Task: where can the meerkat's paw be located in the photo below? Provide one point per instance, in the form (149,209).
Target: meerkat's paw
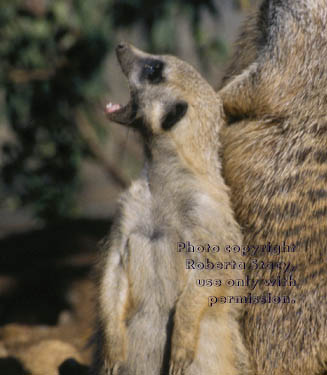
(181,358)
(112,368)
(115,357)
(115,369)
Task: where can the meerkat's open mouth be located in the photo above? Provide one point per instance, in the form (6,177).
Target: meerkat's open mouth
(124,115)
(111,108)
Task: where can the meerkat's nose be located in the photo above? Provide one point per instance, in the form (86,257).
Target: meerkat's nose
(121,46)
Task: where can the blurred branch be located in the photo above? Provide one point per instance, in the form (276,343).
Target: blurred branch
(36,7)
(245,4)
(20,76)
(91,139)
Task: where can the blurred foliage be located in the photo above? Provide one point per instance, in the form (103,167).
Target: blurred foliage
(159,20)
(50,55)
(51,59)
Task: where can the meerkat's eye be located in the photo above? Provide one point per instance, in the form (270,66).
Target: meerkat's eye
(152,71)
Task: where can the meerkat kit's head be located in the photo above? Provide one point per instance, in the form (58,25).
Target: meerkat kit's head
(164,91)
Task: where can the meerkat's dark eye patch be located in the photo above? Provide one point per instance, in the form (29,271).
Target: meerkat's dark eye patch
(175,112)
(152,70)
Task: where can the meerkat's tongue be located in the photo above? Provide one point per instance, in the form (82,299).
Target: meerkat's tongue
(111,108)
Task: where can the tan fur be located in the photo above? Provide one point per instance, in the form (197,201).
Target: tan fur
(153,318)
(275,161)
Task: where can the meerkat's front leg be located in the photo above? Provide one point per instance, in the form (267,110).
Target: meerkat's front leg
(113,306)
(189,310)
(238,95)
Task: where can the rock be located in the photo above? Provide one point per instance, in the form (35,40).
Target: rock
(45,357)
(3,351)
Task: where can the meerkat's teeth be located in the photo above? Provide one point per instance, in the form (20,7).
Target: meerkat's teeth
(110,107)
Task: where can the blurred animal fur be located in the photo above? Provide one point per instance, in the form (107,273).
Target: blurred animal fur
(152,317)
(275,162)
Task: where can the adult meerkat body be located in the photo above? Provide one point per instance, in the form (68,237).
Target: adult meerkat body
(153,318)
(275,161)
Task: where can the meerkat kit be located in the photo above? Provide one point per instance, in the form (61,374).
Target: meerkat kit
(153,315)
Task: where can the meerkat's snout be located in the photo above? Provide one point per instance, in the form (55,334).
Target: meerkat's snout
(126,114)
(126,56)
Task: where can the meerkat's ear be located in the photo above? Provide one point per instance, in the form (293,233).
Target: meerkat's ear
(174,112)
